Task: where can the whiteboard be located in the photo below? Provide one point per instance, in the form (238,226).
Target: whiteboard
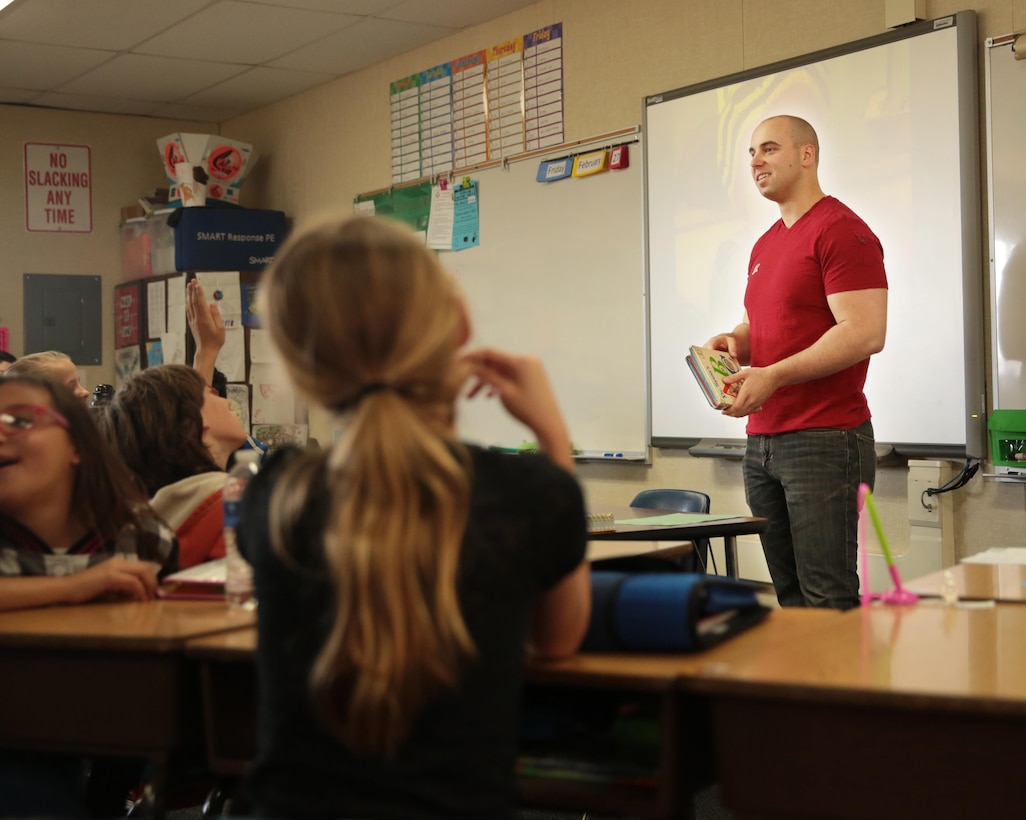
(1006,127)
(559,273)
(897,120)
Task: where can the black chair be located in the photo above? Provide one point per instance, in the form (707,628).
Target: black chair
(688,501)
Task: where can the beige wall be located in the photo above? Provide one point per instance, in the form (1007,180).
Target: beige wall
(321,148)
(125,162)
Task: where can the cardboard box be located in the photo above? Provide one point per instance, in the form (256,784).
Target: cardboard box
(215,239)
(225,163)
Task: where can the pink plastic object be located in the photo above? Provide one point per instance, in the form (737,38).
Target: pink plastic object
(899,595)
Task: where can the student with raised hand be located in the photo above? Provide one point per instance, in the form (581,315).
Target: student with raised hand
(401,574)
(73,525)
(51,364)
(209,334)
(176,435)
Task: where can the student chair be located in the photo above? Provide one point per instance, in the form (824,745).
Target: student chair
(690,501)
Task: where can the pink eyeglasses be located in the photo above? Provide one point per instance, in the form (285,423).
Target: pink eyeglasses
(20,418)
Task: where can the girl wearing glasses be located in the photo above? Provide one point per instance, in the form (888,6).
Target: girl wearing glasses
(176,434)
(401,573)
(73,526)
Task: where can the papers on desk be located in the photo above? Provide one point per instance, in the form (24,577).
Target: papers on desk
(203,582)
(999,555)
(673,519)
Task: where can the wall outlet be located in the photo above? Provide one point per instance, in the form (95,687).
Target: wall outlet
(919,480)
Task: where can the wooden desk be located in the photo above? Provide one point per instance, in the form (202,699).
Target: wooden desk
(977,582)
(890,712)
(726,528)
(107,679)
(685,759)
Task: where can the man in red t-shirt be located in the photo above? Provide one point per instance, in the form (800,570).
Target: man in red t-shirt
(815,311)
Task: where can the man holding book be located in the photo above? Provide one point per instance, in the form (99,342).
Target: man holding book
(815,311)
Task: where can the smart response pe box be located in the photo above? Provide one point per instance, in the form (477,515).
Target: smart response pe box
(210,239)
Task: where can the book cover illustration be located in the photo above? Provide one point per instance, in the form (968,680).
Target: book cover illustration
(710,367)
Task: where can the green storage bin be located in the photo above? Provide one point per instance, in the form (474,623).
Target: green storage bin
(1008,437)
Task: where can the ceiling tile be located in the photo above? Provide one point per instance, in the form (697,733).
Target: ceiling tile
(258,87)
(234,32)
(366,43)
(112,24)
(16,95)
(25,65)
(160,79)
(454,13)
(200,113)
(82,102)
(359,7)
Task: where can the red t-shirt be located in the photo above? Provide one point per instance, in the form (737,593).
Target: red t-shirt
(790,274)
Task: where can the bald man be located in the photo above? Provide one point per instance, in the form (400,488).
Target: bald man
(815,311)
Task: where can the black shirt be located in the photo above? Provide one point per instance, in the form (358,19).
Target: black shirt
(525,532)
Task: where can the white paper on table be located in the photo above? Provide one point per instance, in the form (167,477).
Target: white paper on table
(273,399)
(238,400)
(174,347)
(231,360)
(176,303)
(156,309)
(998,555)
(223,287)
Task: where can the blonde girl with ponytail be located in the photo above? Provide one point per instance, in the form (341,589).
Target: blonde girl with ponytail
(402,574)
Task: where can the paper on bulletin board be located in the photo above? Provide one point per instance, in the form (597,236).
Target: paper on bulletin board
(281,435)
(261,351)
(273,399)
(454,223)
(176,302)
(126,315)
(174,348)
(126,362)
(238,401)
(250,314)
(223,288)
(231,360)
(409,203)
(466,228)
(154,353)
(439,232)
(156,310)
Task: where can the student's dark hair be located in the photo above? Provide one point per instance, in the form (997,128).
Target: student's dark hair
(155,420)
(104,497)
(7,356)
(368,325)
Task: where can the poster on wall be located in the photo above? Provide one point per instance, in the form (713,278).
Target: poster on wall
(126,315)
(58,188)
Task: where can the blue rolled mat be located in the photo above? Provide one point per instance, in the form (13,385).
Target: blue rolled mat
(667,612)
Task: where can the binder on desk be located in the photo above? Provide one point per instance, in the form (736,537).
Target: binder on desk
(668,611)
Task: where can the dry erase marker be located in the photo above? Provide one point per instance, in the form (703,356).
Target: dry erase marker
(612,455)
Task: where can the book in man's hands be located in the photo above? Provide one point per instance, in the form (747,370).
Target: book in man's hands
(710,367)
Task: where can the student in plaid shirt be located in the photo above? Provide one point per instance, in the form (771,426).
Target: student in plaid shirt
(74,527)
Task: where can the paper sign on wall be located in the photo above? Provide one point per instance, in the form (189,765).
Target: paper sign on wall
(58,188)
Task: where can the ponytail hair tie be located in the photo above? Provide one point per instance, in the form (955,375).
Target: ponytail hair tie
(373,387)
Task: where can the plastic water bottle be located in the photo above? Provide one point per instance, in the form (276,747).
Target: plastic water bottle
(238,584)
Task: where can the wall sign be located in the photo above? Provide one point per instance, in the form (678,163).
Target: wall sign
(58,188)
